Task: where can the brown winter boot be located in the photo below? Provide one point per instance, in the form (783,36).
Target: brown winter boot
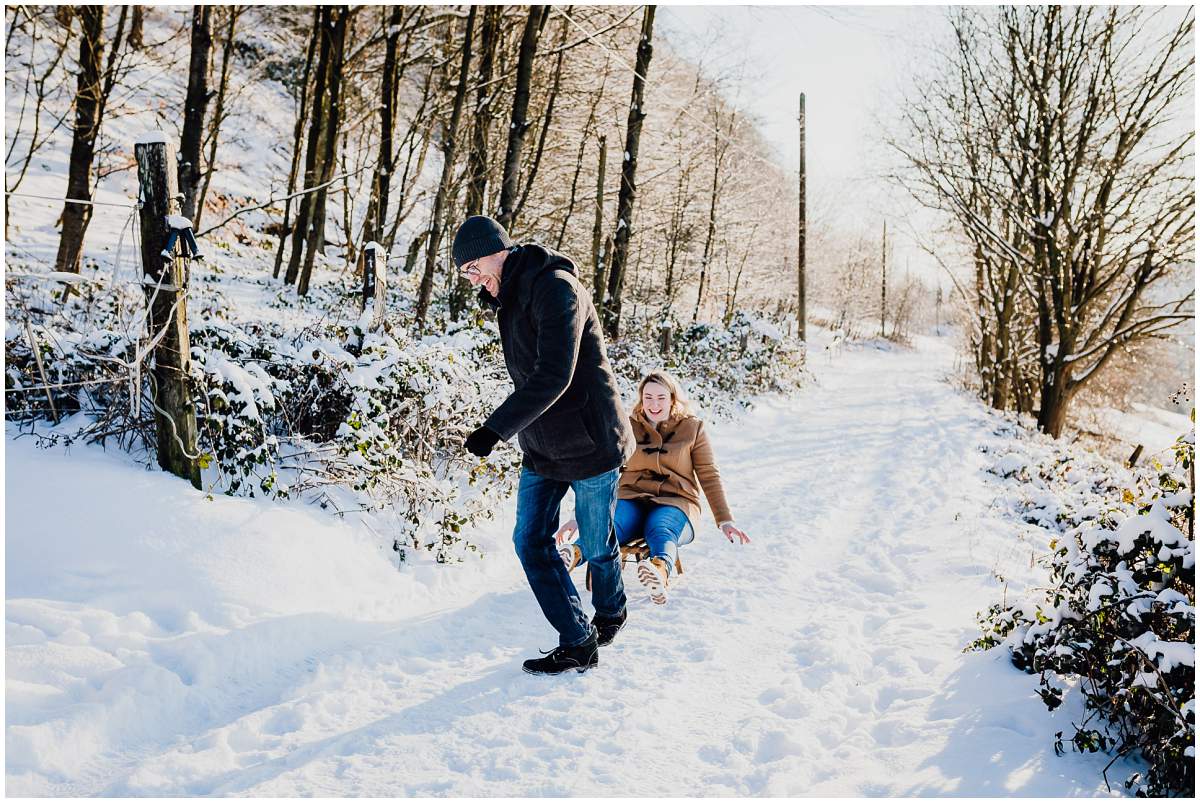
(653,575)
(571,556)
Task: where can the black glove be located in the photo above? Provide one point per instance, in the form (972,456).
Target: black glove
(481,441)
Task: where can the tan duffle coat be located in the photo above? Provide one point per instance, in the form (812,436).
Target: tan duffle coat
(671,465)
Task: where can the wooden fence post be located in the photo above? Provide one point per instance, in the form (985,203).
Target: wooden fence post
(368,276)
(375,259)
(163,283)
(664,338)
(1133,458)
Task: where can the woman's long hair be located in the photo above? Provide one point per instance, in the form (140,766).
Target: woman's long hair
(680,408)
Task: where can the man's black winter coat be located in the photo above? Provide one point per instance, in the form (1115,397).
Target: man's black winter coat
(565,410)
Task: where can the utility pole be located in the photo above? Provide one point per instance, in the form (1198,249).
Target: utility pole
(883,285)
(801,258)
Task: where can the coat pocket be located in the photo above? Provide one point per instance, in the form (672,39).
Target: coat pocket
(561,433)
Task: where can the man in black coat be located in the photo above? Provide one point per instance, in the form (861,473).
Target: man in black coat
(567,415)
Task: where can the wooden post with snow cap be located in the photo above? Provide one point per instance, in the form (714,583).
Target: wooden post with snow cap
(375,259)
(163,282)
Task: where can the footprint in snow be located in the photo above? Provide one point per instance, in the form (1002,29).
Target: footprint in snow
(777,745)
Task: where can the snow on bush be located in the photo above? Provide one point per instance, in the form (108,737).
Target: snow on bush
(1118,616)
(302,403)
(367,421)
(721,367)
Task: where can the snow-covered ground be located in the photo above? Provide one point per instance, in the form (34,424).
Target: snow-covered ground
(1153,427)
(162,643)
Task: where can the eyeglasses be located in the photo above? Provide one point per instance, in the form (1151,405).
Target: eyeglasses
(470,269)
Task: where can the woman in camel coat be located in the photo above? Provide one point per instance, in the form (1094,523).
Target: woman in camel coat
(659,494)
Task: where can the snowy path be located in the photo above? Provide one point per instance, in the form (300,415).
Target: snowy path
(825,658)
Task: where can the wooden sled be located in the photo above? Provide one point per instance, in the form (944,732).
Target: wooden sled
(637,550)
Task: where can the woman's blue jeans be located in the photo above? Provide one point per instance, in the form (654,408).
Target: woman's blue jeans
(664,527)
(538,502)
(188,238)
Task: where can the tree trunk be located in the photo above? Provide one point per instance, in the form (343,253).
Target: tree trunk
(316,231)
(588,126)
(1005,364)
(449,149)
(732,294)
(1055,399)
(510,186)
(312,147)
(419,132)
(135,27)
(219,113)
(710,234)
(679,235)
(194,109)
(75,216)
(599,256)
(382,178)
(297,133)
(547,119)
(628,193)
(478,160)
(350,252)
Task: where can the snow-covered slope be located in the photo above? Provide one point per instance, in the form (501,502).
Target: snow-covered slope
(163,643)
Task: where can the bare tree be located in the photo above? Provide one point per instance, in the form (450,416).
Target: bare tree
(720,151)
(416,147)
(449,150)
(628,194)
(213,136)
(485,92)
(1048,138)
(135,28)
(312,148)
(519,125)
(41,83)
(96,78)
(588,128)
(600,253)
(382,178)
(297,135)
(328,137)
(195,107)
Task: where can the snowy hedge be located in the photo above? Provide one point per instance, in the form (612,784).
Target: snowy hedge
(1118,617)
(721,367)
(371,424)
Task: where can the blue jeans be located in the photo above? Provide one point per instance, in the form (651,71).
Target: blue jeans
(663,527)
(187,239)
(538,502)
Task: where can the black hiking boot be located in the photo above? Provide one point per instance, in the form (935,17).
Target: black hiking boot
(608,628)
(581,658)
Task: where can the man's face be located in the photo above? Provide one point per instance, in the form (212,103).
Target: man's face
(486,271)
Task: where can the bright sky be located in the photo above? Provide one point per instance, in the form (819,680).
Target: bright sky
(847,60)
(853,63)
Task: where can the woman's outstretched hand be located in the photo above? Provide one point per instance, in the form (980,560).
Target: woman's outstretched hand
(564,532)
(732,533)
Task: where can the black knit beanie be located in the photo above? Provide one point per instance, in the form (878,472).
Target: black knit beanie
(477,237)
